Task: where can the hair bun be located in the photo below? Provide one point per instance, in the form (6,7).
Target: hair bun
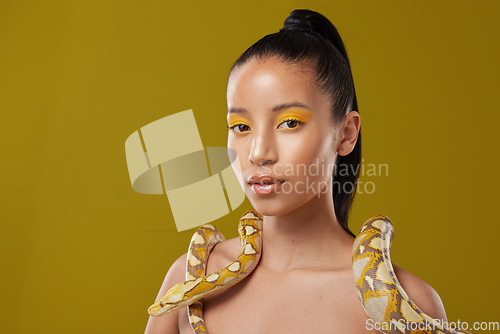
(317,24)
(308,21)
(299,20)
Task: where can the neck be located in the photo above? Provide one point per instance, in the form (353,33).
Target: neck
(306,238)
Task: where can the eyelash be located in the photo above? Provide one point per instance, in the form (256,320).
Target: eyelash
(286,119)
(231,128)
(293,119)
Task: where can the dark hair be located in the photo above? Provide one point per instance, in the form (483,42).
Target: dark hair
(308,37)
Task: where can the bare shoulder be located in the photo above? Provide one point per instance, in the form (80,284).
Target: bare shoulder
(421,293)
(168,323)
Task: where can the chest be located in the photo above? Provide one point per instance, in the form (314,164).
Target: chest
(301,302)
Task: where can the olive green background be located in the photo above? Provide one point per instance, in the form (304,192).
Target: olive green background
(81,252)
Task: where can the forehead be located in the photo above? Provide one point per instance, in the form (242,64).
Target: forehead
(267,82)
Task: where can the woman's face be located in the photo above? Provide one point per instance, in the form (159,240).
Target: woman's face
(282,134)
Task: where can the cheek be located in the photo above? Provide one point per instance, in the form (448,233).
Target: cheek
(236,154)
(313,149)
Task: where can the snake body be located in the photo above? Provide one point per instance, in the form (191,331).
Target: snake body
(382,296)
(202,242)
(192,290)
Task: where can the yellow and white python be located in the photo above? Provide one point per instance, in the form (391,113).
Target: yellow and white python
(381,294)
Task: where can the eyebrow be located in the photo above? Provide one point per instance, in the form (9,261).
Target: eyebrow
(275,108)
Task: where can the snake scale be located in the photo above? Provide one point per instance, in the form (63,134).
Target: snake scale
(384,300)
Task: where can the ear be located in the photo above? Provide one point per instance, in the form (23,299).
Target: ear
(349,131)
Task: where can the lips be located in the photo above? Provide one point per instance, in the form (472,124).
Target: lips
(264,184)
(264,179)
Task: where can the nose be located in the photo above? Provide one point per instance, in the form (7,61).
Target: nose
(263,150)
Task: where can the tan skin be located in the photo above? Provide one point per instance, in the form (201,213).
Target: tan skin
(303,282)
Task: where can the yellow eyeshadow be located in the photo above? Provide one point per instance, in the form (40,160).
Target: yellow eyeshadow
(300,115)
(291,118)
(236,124)
(236,121)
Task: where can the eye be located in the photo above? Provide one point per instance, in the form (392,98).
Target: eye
(290,123)
(239,128)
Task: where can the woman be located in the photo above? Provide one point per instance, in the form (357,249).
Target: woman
(293,120)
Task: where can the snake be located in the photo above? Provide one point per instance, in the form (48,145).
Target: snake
(382,297)
(199,285)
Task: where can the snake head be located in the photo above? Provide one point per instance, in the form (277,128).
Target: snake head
(174,299)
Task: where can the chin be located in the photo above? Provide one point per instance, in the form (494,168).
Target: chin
(272,205)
